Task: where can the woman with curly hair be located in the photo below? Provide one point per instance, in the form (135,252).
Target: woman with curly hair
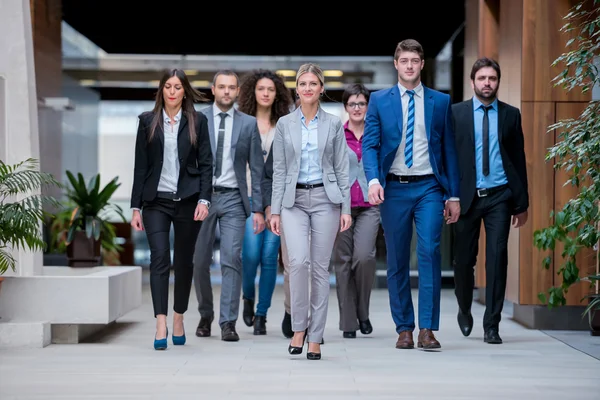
(263,94)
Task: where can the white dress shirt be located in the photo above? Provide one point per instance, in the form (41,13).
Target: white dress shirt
(421,164)
(169,175)
(227,178)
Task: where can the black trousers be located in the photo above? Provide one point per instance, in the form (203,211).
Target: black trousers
(158,216)
(494,210)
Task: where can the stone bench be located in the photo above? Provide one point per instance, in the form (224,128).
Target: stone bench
(64,304)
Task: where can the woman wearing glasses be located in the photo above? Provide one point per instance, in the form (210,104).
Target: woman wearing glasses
(354,250)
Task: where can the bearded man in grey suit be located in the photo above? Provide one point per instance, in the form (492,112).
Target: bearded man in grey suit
(235,143)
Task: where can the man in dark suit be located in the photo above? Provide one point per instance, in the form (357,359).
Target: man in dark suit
(235,143)
(409,156)
(493,187)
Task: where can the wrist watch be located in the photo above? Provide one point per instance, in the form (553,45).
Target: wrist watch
(205,202)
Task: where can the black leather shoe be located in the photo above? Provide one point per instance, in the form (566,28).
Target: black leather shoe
(248,312)
(286,326)
(491,336)
(203,329)
(260,325)
(313,356)
(465,322)
(349,335)
(228,333)
(365,327)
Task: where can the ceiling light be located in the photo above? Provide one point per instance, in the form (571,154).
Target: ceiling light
(333,73)
(202,83)
(286,72)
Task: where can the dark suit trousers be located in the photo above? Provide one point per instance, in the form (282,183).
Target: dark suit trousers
(494,210)
(158,216)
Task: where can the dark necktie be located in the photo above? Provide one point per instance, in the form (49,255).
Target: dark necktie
(220,140)
(485,129)
(410,129)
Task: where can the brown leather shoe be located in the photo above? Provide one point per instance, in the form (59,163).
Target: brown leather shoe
(405,340)
(427,340)
(203,329)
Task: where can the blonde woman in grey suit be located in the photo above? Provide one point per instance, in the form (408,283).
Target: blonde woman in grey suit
(310,197)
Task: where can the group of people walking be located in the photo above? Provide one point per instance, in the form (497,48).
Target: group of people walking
(287,181)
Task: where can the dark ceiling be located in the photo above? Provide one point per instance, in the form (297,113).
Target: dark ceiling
(303,29)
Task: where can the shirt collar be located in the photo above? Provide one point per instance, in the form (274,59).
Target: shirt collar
(217,111)
(349,134)
(168,120)
(418,90)
(303,118)
(477,104)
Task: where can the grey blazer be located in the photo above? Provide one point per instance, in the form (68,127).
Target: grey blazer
(245,150)
(357,171)
(286,160)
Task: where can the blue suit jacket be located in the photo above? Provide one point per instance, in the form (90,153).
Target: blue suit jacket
(383,133)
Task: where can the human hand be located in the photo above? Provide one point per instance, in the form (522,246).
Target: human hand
(375,194)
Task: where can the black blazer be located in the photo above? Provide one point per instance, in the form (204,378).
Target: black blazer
(195,174)
(512,152)
(266,184)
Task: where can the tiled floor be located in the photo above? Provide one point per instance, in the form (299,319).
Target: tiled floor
(122,364)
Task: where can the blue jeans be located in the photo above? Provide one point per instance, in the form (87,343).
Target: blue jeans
(260,249)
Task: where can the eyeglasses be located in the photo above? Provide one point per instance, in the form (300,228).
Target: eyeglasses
(361,104)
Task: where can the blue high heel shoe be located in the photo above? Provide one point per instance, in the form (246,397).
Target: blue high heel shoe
(179,340)
(161,344)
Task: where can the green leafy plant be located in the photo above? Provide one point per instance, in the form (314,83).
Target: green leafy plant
(88,209)
(577,153)
(21,209)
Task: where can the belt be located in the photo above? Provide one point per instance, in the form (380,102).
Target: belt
(488,191)
(407,178)
(222,189)
(308,186)
(168,196)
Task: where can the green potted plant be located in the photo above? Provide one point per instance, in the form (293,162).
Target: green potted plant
(577,153)
(21,209)
(83,225)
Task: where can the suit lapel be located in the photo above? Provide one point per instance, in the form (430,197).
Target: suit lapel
(296,134)
(211,131)
(183,138)
(396,100)
(322,132)
(161,133)
(470,122)
(501,118)
(235,132)
(429,105)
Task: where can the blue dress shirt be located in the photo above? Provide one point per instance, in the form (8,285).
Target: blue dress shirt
(497,176)
(310,165)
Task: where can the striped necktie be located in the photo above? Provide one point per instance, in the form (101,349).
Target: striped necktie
(410,129)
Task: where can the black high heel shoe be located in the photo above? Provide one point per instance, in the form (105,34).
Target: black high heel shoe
(310,355)
(295,350)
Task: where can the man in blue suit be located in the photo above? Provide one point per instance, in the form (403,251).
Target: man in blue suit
(409,158)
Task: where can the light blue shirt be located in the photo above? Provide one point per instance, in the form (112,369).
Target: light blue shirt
(497,176)
(310,165)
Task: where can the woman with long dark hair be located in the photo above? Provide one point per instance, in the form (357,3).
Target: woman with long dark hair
(172,185)
(263,95)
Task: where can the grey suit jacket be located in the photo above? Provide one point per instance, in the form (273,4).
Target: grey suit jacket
(357,172)
(245,150)
(286,160)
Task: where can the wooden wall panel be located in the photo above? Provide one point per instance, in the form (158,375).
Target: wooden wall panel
(489,17)
(471,52)
(46,19)
(533,278)
(586,260)
(542,44)
(509,58)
